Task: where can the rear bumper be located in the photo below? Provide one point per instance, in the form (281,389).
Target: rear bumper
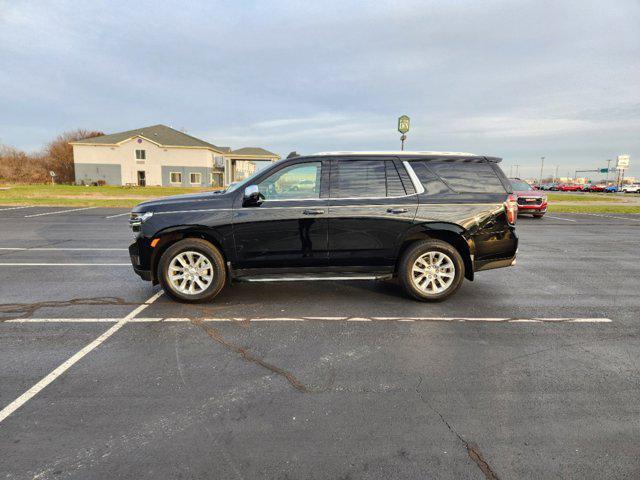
(502,255)
(496,263)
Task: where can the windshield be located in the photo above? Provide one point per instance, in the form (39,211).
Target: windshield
(519,185)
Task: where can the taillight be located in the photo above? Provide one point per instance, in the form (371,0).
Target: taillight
(511,208)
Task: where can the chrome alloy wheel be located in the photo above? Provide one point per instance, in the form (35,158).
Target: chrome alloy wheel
(433,272)
(190,273)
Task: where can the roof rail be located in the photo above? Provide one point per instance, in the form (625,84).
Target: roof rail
(398,152)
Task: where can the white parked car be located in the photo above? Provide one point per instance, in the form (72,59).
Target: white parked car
(633,188)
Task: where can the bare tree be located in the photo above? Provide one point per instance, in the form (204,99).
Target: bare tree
(17,166)
(58,154)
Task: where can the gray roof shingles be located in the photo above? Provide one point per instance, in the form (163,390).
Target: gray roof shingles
(253,151)
(156,133)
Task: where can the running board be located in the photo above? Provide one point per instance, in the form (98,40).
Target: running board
(312,278)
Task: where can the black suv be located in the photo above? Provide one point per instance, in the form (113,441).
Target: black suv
(428,218)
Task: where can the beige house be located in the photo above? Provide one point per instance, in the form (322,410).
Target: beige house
(160,155)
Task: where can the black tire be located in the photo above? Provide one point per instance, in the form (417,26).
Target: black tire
(204,248)
(415,251)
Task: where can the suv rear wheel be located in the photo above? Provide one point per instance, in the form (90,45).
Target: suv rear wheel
(192,270)
(431,270)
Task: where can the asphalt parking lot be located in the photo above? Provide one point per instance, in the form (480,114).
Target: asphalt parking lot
(529,372)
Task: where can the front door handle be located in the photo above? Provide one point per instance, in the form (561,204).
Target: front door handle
(313,211)
(397,210)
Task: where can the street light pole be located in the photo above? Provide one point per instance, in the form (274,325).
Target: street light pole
(555,179)
(608,167)
(541,168)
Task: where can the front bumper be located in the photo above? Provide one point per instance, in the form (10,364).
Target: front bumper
(542,208)
(138,261)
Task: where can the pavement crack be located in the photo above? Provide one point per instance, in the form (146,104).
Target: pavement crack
(26,310)
(249,357)
(472,449)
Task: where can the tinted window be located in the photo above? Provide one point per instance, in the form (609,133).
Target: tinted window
(360,178)
(294,182)
(394,183)
(431,182)
(465,177)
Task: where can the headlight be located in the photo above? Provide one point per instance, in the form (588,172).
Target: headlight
(140,217)
(544,199)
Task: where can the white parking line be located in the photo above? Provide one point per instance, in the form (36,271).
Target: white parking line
(15,208)
(70,249)
(560,218)
(33,391)
(65,264)
(59,211)
(118,215)
(329,319)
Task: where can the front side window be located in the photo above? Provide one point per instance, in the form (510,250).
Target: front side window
(359,178)
(141,154)
(175,177)
(292,183)
(195,178)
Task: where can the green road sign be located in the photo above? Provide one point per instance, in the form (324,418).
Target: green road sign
(403,124)
(604,170)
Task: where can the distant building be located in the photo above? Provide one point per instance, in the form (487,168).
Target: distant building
(160,155)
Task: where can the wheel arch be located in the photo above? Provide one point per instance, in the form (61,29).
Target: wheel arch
(170,236)
(451,233)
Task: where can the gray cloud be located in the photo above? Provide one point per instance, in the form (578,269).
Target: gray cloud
(518,79)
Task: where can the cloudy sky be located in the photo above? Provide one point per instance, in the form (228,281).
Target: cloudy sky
(516,79)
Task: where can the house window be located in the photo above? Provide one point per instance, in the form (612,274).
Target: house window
(141,154)
(195,178)
(175,177)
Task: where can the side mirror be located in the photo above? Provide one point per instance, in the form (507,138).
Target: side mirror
(252,196)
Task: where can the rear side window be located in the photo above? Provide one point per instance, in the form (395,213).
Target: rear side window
(430,181)
(394,182)
(366,178)
(359,178)
(459,177)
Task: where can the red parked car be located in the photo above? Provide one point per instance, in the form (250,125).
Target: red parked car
(530,201)
(565,187)
(597,188)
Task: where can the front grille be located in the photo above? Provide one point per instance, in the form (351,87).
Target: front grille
(529,201)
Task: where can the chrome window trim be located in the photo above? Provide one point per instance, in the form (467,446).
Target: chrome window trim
(338,198)
(387,205)
(417,184)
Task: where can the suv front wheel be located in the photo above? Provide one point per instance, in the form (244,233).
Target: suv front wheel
(431,270)
(192,270)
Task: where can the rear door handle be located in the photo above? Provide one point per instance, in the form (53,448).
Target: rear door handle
(313,211)
(397,210)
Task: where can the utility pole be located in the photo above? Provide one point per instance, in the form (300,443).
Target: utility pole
(555,179)
(541,168)
(608,167)
(517,170)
